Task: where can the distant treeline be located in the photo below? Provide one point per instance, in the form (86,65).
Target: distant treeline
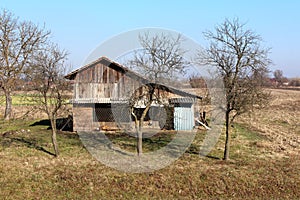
(199,82)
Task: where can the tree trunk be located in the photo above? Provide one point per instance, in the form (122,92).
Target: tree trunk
(139,139)
(54,140)
(8,105)
(139,128)
(227,141)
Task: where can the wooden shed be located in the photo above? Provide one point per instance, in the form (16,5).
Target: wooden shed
(102,92)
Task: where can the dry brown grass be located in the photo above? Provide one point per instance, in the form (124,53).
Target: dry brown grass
(279,122)
(265,164)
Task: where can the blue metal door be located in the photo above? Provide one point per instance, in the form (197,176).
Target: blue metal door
(183,118)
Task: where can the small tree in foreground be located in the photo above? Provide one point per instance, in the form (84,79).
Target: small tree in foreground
(18,42)
(47,75)
(241,61)
(160,61)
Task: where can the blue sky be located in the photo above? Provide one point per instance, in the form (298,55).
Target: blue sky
(80,26)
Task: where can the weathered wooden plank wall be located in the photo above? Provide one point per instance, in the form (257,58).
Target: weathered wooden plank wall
(83,117)
(100,81)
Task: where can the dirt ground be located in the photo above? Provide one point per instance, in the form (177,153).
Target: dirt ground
(279,122)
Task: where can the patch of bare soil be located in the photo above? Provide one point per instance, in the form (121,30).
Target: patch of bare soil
(279,122)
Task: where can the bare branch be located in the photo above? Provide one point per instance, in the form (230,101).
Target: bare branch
(161,57)
(18,42)
(241,61)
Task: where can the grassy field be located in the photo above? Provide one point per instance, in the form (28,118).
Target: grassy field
(26,105)
(21,99)
(265,162)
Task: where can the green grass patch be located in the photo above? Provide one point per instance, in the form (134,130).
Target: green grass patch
(20,100)
(127,142)
(249,134)
(243,144)
(34,135)
(25,100)
(13,125)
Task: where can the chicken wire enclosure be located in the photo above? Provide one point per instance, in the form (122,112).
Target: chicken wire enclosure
(159,114)
(107,112)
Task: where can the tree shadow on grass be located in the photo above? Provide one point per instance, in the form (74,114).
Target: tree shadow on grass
(157,142)
(43,122)
(194,149)
(33,145)
(213,157)
(62,124)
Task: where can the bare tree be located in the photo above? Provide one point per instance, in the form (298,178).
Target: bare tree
(18,42)
(279,78)
(196,81)
(161,58)
(241,61)
(160,61)
(47,75)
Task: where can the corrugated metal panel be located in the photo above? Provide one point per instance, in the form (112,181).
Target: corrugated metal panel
(183,118)
(182,100)
(99,100)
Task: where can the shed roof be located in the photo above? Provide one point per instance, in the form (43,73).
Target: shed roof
(182,100)
(109,63)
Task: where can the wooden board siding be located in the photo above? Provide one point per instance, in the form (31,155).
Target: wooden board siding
(96,82)
(100,81)
(83,117)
